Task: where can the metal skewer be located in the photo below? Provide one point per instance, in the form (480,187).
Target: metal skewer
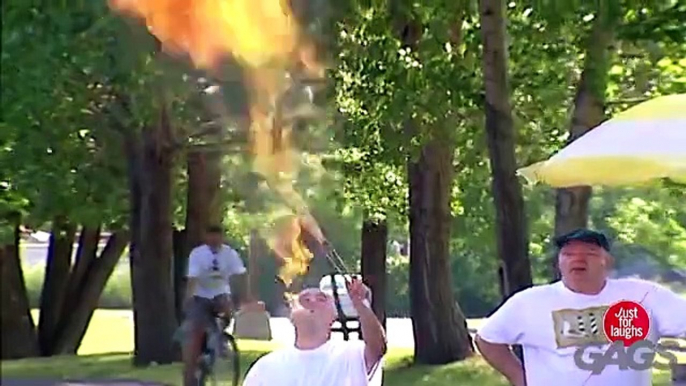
(337,262)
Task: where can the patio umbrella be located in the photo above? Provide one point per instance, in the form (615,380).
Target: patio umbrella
(645,143)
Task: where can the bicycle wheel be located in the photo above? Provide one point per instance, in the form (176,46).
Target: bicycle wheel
(226,366)
(205,365)
(234,357)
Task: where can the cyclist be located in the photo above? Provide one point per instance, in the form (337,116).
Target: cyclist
(210,266)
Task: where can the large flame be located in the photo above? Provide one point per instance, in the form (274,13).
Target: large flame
(265,37)
(256,31)
(288,244)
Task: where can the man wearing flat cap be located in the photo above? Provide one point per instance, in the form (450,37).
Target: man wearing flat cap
(551,322)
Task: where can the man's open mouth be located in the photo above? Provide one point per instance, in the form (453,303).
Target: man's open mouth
(579,269)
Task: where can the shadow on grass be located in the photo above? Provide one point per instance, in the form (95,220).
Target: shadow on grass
(472,371)
(105,367)
(398,370)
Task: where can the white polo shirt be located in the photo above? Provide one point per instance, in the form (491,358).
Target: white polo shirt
(212,270)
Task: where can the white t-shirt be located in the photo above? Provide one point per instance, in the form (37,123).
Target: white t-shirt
(551,321)
(213,270)
(335,363)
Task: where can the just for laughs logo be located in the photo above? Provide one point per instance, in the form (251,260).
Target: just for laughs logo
(626,325)
(627,322)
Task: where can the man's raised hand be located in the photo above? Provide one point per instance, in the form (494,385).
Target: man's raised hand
(358,292)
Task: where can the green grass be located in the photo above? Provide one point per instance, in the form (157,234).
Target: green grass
(110,331)
(105,353)
(118,365)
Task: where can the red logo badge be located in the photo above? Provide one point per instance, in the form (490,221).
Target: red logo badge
(626,321)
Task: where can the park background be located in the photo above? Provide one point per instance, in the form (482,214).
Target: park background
(408,166)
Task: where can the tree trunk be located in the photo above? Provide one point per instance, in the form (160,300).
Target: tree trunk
(151,260)
(203,207)
(438,324)
(511,226)
(374,240)
(87,292)
(18,332)
(56,283)
(204,184)
(69,299)
(571,206)
(279,301)
(86,254)
(134,161)
(439,327)
(256,251)
(179,267)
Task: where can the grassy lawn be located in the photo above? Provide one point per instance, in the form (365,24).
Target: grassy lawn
(105,353)
(100,366)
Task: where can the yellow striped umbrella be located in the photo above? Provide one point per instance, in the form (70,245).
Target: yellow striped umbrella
(645,143)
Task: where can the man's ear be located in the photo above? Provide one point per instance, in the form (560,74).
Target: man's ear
(609,261)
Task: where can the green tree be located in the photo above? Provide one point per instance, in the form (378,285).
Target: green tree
(394,71)
(572,203)
(512,237)
(67,173)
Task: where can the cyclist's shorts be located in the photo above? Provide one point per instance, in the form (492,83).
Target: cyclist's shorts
(202,310)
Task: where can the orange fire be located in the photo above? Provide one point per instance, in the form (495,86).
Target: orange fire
(256,32)
(289,247)
(265,37)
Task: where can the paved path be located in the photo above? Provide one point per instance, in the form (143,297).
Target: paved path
(111,382)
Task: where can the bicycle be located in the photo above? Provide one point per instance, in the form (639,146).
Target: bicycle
(217,344)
